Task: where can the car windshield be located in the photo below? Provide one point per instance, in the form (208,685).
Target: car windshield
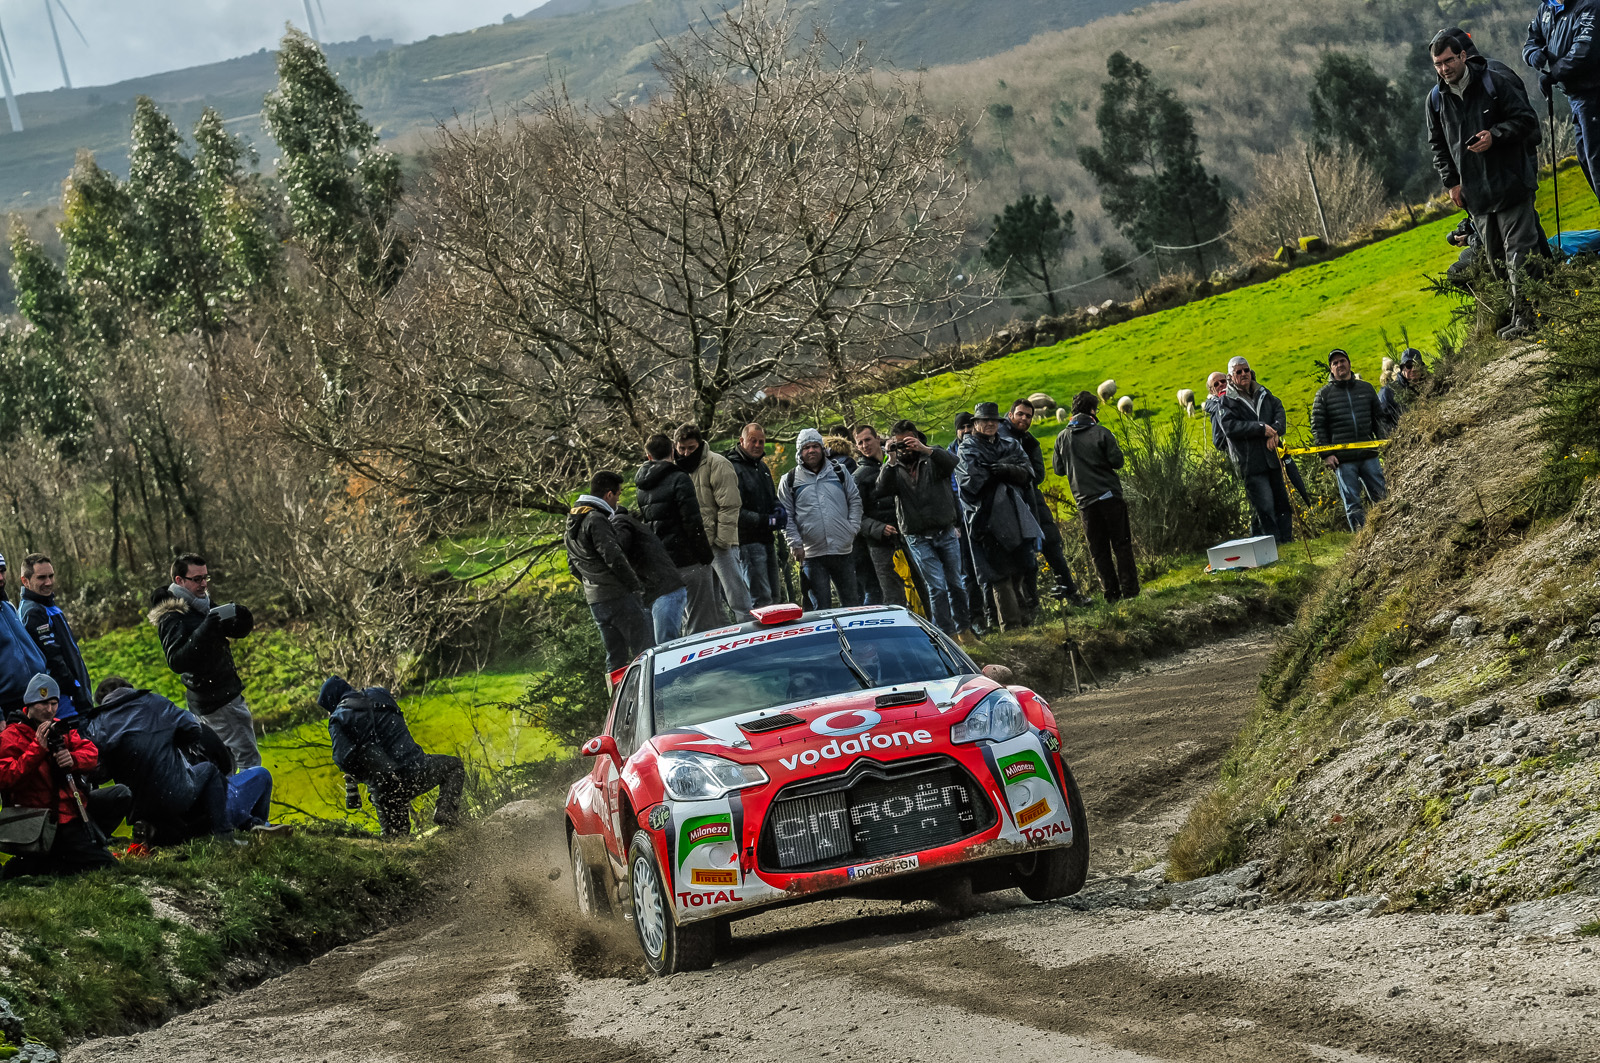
(703,683)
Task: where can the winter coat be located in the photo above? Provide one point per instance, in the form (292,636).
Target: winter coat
(824,508)
(370,736)
(141,738)
(1030,446)
(669,507)
(1088,456)
(1213,408)
(996,480)
(716,485)
(1395,399)
(48,628)
(1244,418)
(1347,411)
(877,512)
(758,496)
(1561,43)
(20,661)
(919,486)
(594,554)
(1506,174)
(647,556)
(29,775)
(197,647)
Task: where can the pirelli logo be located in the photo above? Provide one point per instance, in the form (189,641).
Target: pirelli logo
(704,876)
(1038,810)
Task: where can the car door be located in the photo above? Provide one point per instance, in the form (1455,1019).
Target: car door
(623,727)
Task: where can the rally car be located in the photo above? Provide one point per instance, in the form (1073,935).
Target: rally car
(806,754)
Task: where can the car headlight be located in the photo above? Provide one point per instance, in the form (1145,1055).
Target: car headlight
(996,718)
(693,776)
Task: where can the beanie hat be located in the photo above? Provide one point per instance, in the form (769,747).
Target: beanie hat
(963,420)
(807,437)
(334,688)
(40,688)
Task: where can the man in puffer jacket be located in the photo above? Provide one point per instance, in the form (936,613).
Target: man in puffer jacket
(825,512)
(716,486)
(48,626)
(1347,410)
(20,660)
(611,587)
(373,745)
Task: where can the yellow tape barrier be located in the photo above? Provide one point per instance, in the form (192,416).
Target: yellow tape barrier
(1333,447)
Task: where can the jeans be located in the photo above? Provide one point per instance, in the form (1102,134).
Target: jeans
(884,587)
(938,556)
(1269,500)
(828,571)
(1352,475)
(667,613)
(249,798)
(234,726)
(624,628)
(1105,525)
(756,564)
(1586,127)
(734,590)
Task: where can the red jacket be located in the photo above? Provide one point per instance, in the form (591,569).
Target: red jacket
(30,778)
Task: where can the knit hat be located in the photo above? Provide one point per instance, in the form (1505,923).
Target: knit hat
(334,688)
(40,688)
(986,411)
(807,437)
(963,420)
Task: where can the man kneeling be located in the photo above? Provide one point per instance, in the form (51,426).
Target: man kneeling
(373,745)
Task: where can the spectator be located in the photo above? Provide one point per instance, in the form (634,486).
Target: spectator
(1484,136)
(1347,410)
(1216,389)
(5,599)
(372,744)
(824,509)
(19,659)
(1086,453)
(1561,46)
(1400,393)
(1016,427)
(1290,469)
(916,480)
(760,516)
(610,585)
(196,638)
(47,626)
(34,775)
(1253,422)
(880,538)
(996,480)
(980,604)
(716,486)
(669,507)
(664,595)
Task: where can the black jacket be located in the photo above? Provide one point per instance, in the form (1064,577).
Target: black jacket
(758,495)
(669,507)
(1243,419)
(647,556)
(921,486)
(143,739)
(995,477)
(197,647)
(370,736)
(1562,44)
(877,511)
(1087,455)
(48,628)
(1507,173)
(1347,411)
(594,554)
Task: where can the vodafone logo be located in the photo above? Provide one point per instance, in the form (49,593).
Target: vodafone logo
(848,722)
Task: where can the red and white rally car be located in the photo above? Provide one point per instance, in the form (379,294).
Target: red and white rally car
(801,755)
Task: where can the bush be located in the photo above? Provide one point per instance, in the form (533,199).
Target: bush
(1182,495)
(1571,373)
(568,696)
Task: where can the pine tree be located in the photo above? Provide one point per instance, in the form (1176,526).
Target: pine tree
(1354,108)
(1029,238)
(40,387)
(1148,167)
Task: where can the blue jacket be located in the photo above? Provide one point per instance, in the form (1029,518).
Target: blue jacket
(370,736)
(20,661)
(47,626)
(1561,43)
(141,737)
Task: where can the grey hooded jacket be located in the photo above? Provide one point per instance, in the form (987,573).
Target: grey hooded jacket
(825,508)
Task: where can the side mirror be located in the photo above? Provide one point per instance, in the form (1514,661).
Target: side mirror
(602,746)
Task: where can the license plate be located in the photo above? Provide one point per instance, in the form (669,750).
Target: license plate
(884,867)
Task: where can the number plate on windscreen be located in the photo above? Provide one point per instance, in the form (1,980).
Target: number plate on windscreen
(876,817)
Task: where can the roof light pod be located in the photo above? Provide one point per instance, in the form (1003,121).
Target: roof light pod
(782,613)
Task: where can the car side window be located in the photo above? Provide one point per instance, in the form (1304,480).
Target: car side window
(625,725)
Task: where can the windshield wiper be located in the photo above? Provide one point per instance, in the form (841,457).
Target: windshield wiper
(849,661)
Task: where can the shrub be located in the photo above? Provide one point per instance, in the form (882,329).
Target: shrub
(1182,496)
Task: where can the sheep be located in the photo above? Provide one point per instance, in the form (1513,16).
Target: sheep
(1186,399)
(1042,401)
(1062,415)
(1125,405)
(1106,389)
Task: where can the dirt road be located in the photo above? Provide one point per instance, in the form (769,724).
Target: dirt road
(1127,971)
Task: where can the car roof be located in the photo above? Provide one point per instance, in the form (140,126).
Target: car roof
(756,625)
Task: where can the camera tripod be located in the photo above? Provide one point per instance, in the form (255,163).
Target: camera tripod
(1075,657)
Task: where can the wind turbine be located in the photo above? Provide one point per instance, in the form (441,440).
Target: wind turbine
(50,13)
(5,83)
(310,21)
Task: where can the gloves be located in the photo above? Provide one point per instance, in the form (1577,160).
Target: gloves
(779,519)
(1547,84)
(225,612)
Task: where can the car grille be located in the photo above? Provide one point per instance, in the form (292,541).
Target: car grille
(871,812)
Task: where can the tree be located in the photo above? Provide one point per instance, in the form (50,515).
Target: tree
(1281,208)
(1148,164)
(1355,109)
(1029,238)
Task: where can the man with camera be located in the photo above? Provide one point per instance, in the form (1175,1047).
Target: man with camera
(373,745)
(916,480)
(196,638)
(45,824)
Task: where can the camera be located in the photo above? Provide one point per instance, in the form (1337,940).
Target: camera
(897,446)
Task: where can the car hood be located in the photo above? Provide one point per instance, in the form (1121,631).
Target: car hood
(821,720)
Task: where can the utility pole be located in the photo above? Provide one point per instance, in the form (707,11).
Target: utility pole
(1322,215)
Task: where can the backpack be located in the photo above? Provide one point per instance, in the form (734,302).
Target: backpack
(1436,97)
(787,483)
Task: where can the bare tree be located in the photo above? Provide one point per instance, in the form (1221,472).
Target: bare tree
(1283,207)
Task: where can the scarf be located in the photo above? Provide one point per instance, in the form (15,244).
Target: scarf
(691,462)
(598,503)
(200,602)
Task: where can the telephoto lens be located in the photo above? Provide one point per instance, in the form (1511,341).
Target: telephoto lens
(352,793)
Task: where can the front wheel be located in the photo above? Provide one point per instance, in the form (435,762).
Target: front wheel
(1058,873)
(668,947)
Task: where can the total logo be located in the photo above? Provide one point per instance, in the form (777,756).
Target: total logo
(1045,833)
(708,900)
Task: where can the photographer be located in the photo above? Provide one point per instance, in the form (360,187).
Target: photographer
(373,745)
(40,761)
(916,479)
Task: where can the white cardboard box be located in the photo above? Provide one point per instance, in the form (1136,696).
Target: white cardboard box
(1243,553)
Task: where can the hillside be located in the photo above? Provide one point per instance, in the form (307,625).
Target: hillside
(600,51)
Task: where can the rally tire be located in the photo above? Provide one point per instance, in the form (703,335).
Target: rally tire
(1058,873)
(668,948)
(587,894)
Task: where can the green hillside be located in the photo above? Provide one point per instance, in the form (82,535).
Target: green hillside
(1283,326)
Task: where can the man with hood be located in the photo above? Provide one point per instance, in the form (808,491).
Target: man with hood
(669,506)
(1484,136)
(716,486)
(996,482)
(19,659)
(196,638)
(48,626)
(1347,410)
(1087,454)
(1397,396)
(1561,46)
(825,511)
(611,587)
(373,745)
(664,594)
(1253,422)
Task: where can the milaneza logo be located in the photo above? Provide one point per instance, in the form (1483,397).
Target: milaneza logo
(703,830)
(848,722)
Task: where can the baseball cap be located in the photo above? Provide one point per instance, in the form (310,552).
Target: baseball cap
(1409,356)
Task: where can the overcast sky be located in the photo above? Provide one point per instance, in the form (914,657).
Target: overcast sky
(129,38)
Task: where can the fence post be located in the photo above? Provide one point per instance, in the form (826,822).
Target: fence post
(1317,195)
